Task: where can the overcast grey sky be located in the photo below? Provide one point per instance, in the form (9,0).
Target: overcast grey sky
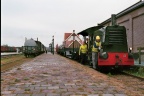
(45,18)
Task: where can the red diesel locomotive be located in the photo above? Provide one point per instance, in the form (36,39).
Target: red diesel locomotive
(115,52)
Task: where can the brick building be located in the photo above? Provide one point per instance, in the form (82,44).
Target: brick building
(133,19)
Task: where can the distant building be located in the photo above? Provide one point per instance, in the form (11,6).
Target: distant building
(69,40)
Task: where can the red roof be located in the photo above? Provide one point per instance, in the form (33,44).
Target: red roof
(66,35)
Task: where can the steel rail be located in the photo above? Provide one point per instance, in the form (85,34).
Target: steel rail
(138,77)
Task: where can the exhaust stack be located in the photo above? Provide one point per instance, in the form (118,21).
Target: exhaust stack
(113,19)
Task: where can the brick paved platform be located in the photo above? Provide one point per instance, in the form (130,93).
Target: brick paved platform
(53,75)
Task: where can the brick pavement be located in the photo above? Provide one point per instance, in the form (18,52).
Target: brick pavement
(53,75)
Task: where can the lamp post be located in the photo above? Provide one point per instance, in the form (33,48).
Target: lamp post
(64,46)
(51,47)
(73,40)
(53,44)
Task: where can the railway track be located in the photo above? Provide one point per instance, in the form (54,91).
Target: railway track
(126,73)
(138,77)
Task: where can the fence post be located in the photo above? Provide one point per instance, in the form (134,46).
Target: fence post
(139,55)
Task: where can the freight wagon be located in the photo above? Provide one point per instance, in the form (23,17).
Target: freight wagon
(8,49)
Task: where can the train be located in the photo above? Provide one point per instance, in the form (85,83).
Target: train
(33,48)
(68,52)
(70,46)
(114,52)
(6,48)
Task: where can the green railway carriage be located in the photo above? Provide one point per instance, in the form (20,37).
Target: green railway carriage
(33,48)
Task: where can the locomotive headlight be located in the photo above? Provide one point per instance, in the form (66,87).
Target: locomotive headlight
(130,55)
(130,49)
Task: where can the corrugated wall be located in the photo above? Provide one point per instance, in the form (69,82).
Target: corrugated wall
(138,31)
(134,23)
